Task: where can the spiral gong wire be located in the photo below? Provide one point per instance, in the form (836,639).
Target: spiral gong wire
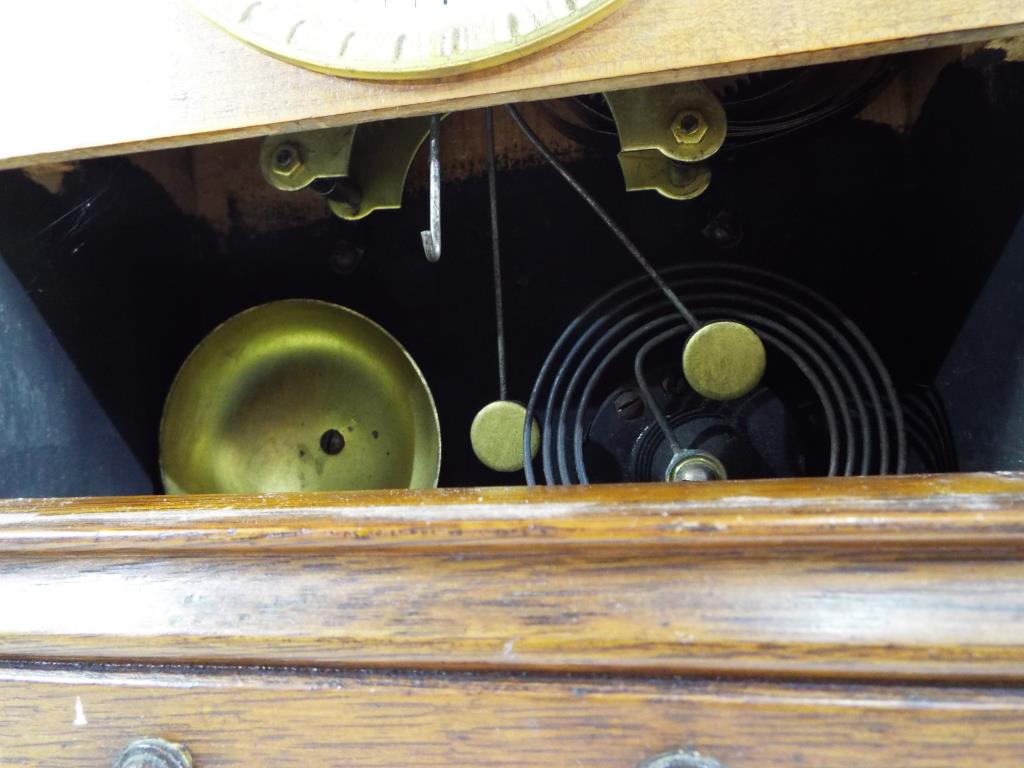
(828,393)
(856,404)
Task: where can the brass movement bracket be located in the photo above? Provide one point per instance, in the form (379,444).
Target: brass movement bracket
(364,166)
(666,133)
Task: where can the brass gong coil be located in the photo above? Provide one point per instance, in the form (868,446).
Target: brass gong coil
(299,395)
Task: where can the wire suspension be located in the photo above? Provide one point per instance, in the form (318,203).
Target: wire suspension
(499,307)
(600,211)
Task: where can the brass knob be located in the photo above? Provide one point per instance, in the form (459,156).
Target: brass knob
(683,758)
(154,753)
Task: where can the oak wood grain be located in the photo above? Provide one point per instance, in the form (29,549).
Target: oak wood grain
(954,510)
(236,717)
(119,76)
(916,577)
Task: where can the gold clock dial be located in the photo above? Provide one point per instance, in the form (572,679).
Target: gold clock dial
(393,39)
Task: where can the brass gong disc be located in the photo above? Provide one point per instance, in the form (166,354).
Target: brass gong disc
(299,395)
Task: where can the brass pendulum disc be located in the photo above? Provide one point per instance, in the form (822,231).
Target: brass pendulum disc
(724,360)
(497,435)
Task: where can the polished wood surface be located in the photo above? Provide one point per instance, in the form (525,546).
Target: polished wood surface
(915,578)
(964,509)
(83,717)
(117,76)
(984,509)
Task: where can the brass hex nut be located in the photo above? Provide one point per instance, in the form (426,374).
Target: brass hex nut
(287,159)
(689,126)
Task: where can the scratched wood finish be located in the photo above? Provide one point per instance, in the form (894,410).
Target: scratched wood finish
(236,718)
(117,76)
(917,577)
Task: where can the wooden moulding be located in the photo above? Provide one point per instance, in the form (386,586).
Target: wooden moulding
(872,579)
(120,76)
(234,718)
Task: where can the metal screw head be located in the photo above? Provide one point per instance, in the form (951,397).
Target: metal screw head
(696,467)
(154,753)
(332,442)
(688,180)
(345,258)
(629,405)
(673,384)
(684,758)
(689,127)
(287,160)
(725,230)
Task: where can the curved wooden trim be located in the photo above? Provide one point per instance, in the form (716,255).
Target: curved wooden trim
(919,577)
(951,510)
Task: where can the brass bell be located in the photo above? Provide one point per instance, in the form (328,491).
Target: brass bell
(299,395)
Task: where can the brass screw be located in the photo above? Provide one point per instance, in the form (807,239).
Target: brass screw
(287,160)
(689,127)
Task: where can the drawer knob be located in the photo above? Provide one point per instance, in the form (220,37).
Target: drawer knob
(154,753)
(683,758)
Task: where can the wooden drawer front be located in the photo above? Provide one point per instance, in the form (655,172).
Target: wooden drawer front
(239,718)
(646,613)
(515,627)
